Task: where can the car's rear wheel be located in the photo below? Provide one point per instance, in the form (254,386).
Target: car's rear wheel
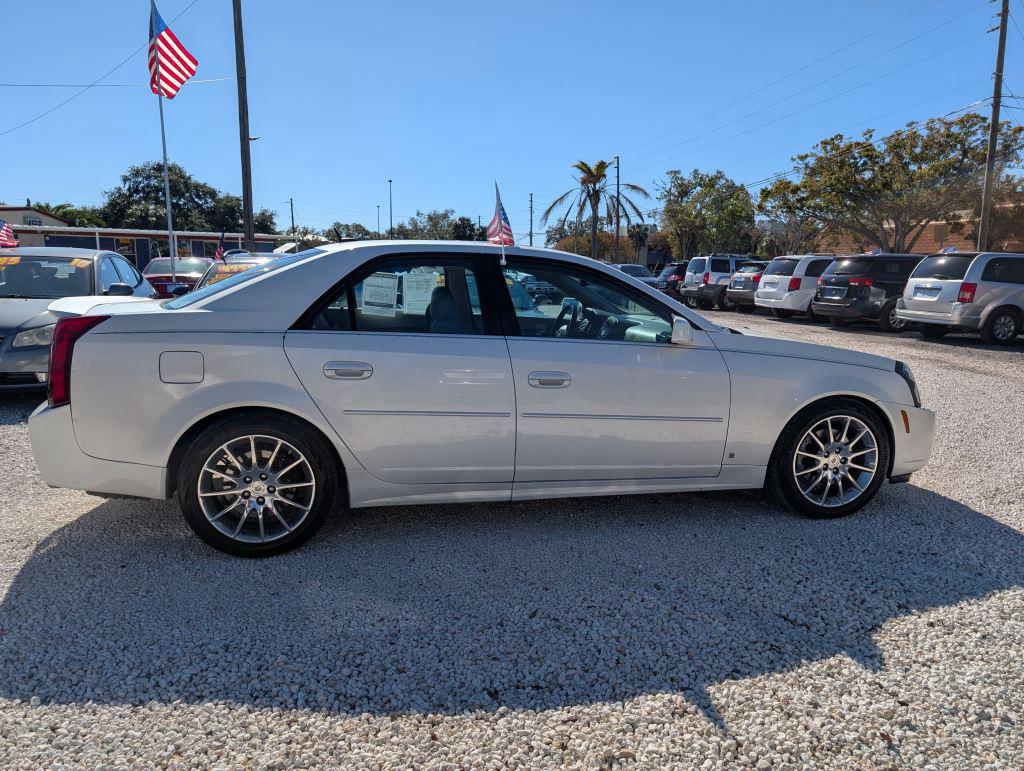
(258,485)
(1002,327)
(888,321)
(726,303)
(830,460)
(932,331)
(689,302)
(812,316)
(781,313)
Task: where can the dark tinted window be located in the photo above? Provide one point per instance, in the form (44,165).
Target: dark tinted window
(817,267)
(672,269)
(720,265)
(696,266)
(849,266)
(639,271)
(1009,270)
(885,267)
(944,267)
(781,268)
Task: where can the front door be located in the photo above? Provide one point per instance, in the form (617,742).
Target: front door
(412,373)
(601,392)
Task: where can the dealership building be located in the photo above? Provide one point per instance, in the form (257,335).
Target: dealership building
(34,227)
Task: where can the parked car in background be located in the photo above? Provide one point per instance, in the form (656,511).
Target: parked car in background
(743,285)
(260,399)
(966,290)
(188,271)
(789,284)
(235,263)
(865,286)
(641,272)
(671,278)
(707,278)
(32,278)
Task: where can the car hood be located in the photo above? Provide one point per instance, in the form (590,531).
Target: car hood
(751,341)
(24,314)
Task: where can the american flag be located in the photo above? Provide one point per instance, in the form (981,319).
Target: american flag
(219,254)
(500,229)
(7,235)
(170,63)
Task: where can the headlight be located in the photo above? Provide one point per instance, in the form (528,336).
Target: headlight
(33,337)
(903,370)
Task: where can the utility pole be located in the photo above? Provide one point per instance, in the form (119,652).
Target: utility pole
(378,220)
(531,219)
(291,205)
(391,216)
(618,205)
(993,132)
(243,130)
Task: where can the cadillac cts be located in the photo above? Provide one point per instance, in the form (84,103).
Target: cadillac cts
(383,373)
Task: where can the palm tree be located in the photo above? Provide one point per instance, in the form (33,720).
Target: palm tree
(593,191)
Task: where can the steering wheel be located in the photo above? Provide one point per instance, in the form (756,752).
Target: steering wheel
(570,306)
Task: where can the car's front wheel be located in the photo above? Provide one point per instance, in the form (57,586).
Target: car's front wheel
(830,460)
(726,303)
(254,486)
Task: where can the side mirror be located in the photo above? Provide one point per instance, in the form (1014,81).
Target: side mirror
(179,289)
(682,331)
(120,290)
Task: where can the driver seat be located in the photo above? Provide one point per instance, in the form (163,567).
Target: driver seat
(443,313)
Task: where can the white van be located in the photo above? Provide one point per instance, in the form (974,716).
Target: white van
(789,283)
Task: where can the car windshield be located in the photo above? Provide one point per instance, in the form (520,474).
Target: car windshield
(944,267)
(239,277)
(221,271)
(162,266)
(696,266)
(671,270)
(781,268)
(640,271)
(849,266)
(45,277)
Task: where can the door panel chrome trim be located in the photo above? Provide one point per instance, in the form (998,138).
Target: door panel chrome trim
(431,413)
(685,419)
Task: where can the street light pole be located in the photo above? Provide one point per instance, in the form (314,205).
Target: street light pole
(531,219)
(378,220)
(993,132)
(391,214)
(618,205)
(291,205)
(243,130)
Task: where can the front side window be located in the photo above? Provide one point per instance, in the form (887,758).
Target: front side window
(593,306)
(108,274)
(1008,270)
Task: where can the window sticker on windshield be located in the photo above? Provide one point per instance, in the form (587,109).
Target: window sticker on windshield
(6,261)
(380,294)
(237,267)
(416,291)
(80,263)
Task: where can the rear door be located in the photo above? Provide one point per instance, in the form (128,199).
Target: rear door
(889,276)
(694,271)
(934,284)
(410,368)
(835,286)
(775,281)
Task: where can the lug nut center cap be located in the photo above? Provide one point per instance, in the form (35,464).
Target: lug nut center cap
(258,488)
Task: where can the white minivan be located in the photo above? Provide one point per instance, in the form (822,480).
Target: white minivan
(789,283)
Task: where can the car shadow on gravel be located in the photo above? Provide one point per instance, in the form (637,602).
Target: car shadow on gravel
(461,608)
(16,407)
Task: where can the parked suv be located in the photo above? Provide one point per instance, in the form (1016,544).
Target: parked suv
(707,278)
(743,285)
(672,276)
(864,286)
(789,283)
(982,292)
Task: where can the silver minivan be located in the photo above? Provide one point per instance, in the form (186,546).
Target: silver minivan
(789,284)
(982,292)
(707,278)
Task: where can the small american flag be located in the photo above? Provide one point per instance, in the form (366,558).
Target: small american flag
(170,63)
(219,254)
(7,235)
(500,229)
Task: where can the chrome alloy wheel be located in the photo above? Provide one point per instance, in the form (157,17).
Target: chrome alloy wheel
(835,461)
(895,322)
(256,489)
(1004,328)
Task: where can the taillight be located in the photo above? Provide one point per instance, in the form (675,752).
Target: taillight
(794,284)
(706,279)
(757,278)
(65,335)
(674,277)
(861,281)
(967,291)
(821,281)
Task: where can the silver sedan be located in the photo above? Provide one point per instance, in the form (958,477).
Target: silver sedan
(384,373)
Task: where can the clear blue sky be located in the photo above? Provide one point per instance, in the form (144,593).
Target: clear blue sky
(446,96)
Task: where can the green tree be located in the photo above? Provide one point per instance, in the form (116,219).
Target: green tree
(706,213)
(565,228)
(638,237)
(81,216)
(351,230)
(886,192)
(592,193)
(464,229)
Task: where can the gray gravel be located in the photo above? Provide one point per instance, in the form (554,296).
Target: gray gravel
(688,630)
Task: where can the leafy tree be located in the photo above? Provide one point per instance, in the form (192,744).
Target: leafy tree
(564,228)
(886,192)
(81,216)
(706,213)
(350,230)
(583,245)
(592,192)
(785,232)
(464,229)
(1006,221)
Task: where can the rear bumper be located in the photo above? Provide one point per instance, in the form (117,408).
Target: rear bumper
(859,309)
(965,315)
(707,292)
(911,448)
(63,464)
(741,296)
(791,301)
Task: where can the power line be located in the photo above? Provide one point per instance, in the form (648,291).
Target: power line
(95,83)
(190,82)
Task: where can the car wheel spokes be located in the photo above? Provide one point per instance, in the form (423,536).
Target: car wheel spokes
(829,468)
(256,489)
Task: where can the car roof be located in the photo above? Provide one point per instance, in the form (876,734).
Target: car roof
(53,251)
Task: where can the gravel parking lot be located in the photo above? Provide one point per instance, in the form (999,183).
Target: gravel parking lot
(692,630)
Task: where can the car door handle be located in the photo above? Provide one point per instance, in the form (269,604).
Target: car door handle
(347,370)
(549,379)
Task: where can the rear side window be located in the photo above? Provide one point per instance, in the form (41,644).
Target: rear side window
(817,267)
(721,265)
(884,268)
(944,267)
(697,265)
(781,268)
(1008,270)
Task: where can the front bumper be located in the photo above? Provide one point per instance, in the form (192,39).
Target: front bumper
(912,437)
(20,367)
(62,463)
(741,296)
(964,315)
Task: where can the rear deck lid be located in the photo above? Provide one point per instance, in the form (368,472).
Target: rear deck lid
(835,281)
(935,283)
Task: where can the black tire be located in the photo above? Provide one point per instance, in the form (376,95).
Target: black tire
(781,313)
(322,465)
(690,302)
(932,331)
(813,317)
(725,303)
(888,321)
(746,308)
(1001,327)
(780,481)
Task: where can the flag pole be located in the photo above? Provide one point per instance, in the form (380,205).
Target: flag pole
(172,245)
